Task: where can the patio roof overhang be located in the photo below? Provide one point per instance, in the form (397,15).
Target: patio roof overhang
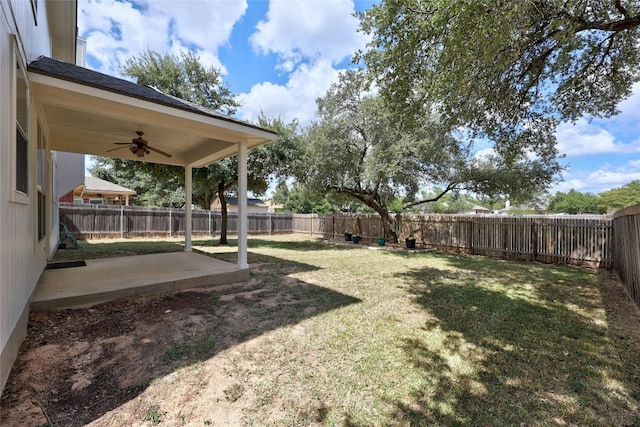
(87,112)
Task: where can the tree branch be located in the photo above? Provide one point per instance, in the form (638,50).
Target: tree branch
(621,8)
(614,26)
(450,187)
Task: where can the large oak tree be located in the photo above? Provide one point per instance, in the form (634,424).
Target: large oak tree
(358,148)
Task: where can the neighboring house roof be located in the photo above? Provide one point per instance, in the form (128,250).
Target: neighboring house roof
(250,202)
(97,185)
(73,73)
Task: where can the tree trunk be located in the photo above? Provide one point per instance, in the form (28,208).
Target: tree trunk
(223,213)
(388,223)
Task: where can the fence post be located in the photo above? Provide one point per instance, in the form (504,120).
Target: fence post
(548,258)
(505,244)
(169,222)
(121,221)
(270,225)
(209,223)
(333,226)
(534,240)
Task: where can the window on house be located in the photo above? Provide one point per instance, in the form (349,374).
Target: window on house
(42,215)
(42,183)
(22,132)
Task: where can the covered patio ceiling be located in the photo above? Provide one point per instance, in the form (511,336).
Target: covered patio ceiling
(87,112)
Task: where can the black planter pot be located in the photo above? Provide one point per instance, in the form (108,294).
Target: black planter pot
(411,243)
(347,237)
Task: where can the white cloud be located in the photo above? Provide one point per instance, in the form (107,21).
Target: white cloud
(295,31)
(608,179)
(206,24)
(630,107)
(116,30)
(294,100)
(587,139)
(602,179)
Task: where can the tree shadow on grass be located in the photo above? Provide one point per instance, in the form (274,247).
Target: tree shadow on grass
(511,344)
(118,348)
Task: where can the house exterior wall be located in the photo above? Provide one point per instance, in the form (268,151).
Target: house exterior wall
(67,198)
(23,255)
(69,172)
(250,209)
(232,207)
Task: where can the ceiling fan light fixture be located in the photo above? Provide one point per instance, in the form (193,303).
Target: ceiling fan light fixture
(139,146)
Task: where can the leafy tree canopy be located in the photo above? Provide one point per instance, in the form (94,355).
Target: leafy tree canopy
(183,77)
(574,202)
(505,70)
(609,201)
(620,198)
(300,199)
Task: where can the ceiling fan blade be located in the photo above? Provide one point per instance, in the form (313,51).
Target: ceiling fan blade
(158,151)
(117,148)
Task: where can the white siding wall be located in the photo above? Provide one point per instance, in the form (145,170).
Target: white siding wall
(69,172)
(22,257)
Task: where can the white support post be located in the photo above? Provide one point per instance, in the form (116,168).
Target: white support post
(188,221)
(242,206)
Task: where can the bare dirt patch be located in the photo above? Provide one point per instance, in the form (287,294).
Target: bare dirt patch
(76,365)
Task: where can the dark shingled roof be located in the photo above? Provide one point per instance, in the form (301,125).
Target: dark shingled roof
(76,74)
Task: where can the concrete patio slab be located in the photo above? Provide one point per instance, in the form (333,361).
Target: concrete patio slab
(107,279)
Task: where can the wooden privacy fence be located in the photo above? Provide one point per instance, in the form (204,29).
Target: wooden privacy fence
(563,239)
(96,221)
(626,231)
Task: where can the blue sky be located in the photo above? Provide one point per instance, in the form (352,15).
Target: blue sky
(279,56)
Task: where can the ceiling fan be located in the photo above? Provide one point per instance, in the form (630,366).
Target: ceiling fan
(139,146)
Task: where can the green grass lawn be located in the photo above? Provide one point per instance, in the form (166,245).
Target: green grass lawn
(366,337)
